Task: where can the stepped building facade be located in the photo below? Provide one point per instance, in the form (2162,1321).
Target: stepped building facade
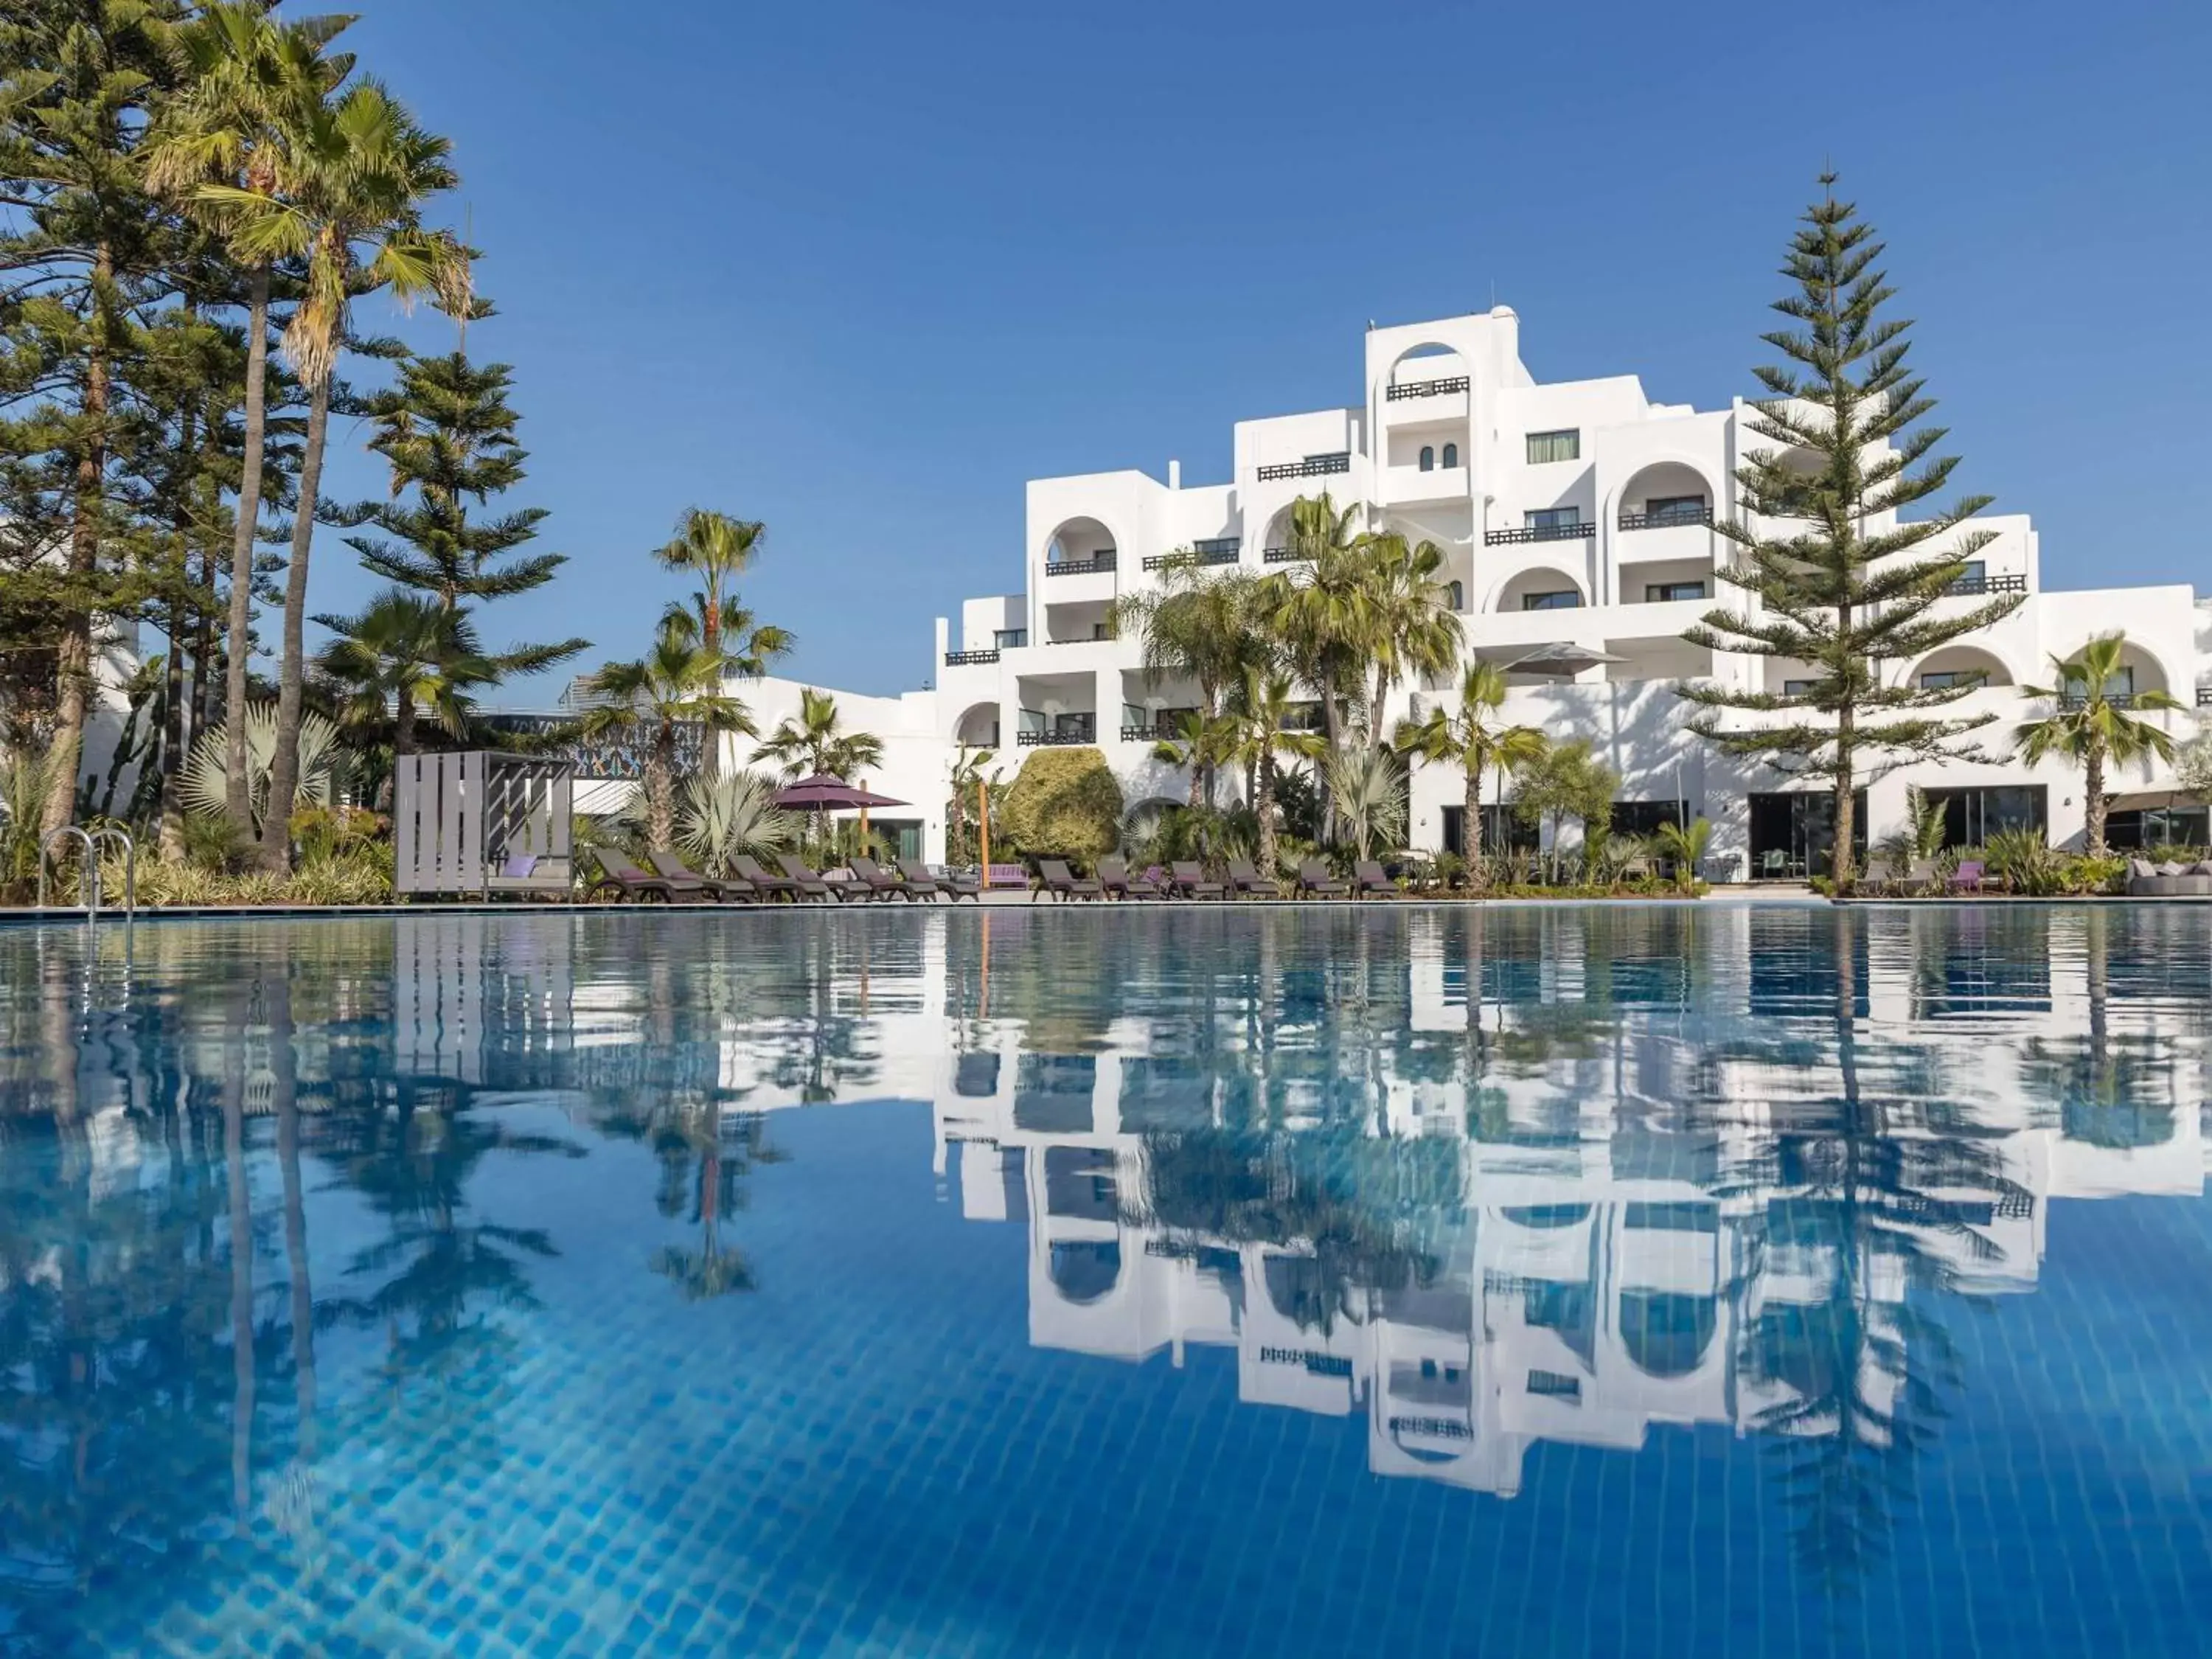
(1577,520)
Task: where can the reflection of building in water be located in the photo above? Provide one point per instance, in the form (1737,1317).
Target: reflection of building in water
(1663,1163)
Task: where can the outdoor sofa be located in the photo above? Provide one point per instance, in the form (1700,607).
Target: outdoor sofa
(2149,880)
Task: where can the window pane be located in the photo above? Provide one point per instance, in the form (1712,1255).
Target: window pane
(1566,600)
(1661,592)
(1565,446)
(1554,518)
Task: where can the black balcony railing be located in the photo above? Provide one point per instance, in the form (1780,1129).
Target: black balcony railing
(1281,555)
(2204,697)
(1425,388)
(1667,518)
(1058,737)
(2115,699)
(1313,466)
(1223,550)
(958,659)
(1538,532)
(1973,587)
(1091,566)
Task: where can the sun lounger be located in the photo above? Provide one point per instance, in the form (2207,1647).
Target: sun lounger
(1315,882)
(619,876)
(1064,884)
(882,884)
(954,888)
(769,885)
(1187,876)
(1244,878)
(810,884)
(672,870)
(1968,877)
(1114,875)
(1369,877)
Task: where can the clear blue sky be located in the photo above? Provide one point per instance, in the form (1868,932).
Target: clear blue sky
(860,270)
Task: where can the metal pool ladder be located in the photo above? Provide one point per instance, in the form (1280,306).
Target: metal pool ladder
(87,875)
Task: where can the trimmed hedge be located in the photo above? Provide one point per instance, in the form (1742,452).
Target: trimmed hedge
(1065,804)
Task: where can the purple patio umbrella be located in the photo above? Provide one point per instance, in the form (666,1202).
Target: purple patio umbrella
(824,794)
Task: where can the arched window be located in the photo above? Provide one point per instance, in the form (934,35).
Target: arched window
(1458,595)
(1451,456)
(1428,458)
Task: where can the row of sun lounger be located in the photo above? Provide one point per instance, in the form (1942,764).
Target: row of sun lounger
(1186,878)
(669,881)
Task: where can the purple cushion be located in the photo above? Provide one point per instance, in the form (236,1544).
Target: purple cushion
(522,864)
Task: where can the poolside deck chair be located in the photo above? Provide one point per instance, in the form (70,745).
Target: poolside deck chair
(1968,878)
(1315,882)
(1063,884)
(1368,878)
(619,876)
(1920,876)
(671,869)
(809,882)
(769,885)
(882,884)
(955,888)
(1114,875)
(1187,878)
(1244,878)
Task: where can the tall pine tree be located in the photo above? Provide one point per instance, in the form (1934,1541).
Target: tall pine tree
(1834,578)
(82,252)
(447,431)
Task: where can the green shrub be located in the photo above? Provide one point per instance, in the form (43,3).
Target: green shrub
(1064,805)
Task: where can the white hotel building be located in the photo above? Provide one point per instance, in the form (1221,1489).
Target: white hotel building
(1576,514)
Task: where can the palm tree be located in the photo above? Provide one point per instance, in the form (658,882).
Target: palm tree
(678,682)
(1412,627)
(1684,848)
(715,548)
(404,653)
(1368,789)
(2092,725)
(251,81)
(730,815)
(1258,732)
(1200,742)
(344,192)
(817,741)
(1475,740)
(749,647)
(1321,615)
(1202,625)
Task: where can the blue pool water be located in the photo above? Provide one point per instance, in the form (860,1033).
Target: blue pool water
(1718,1279)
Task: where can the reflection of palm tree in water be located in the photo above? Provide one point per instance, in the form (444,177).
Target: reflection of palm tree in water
(2107,1088)
(1863,1367)
(693,1154)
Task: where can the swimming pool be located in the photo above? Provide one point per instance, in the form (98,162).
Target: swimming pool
(1548,1281)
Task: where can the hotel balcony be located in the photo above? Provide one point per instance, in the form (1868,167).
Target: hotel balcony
(1094,565)
(1281,556)
(1312,466)
(1424,392)
(1219,550)
(970,659)
(1673,533)
(1980,587)
(1518,534)
(1415,486)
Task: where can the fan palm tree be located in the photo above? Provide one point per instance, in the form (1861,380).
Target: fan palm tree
(2092,724)
(817,741)
(715,548)
(344,192)
(1412,627)
(1368,789)
(405,653)
(250,81)
(1258,731)
(1475,739)
(678,682)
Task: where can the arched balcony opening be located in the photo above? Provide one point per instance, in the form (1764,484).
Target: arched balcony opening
(1956,665)
(978,726)
(1079,545)
(1541,588)
(1664,495)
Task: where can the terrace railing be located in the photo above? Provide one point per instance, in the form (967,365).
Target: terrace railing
(1092,566)
(1313,466)
(1666,517)
(958,659)
(1399,392)
(1971,587)
(1538,532)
